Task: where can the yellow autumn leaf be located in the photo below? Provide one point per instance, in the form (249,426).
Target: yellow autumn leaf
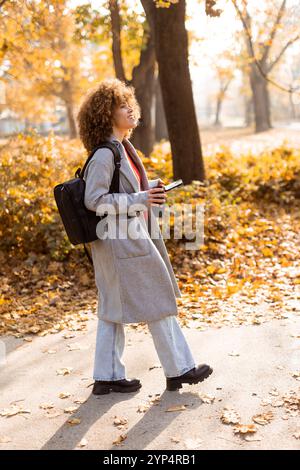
(176,408)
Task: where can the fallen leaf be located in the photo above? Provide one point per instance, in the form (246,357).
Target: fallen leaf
(277,403)
(46,406)
(230,416)
(71,409)
(80,400)
(120,439)
(74,421)
(120,421)
(176,408)
(296,374)
(63,395)
(143,408)
(244,428)
(263,418)
(14,410)
(155,400)
(206,398)
(64,371)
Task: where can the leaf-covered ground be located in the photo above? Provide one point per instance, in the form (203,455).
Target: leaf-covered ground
(247,270)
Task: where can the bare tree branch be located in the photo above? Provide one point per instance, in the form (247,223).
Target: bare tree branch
(246,20)
(273,32)
(288,44)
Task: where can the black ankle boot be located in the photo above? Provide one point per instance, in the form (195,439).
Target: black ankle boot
(193,376)
(102,387)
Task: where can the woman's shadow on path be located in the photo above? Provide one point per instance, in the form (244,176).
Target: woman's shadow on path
(152,423)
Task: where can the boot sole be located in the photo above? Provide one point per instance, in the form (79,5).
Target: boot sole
(176,385)
(105,389)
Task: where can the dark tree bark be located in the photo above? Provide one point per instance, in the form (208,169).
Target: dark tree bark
(142,79)
(171,45)
(261,101)
(116,39)
(143,82)
(161,129)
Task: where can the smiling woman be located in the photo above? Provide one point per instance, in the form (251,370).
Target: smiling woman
(111,104)
(134,276)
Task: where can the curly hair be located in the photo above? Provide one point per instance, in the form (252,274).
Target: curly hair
(95,116)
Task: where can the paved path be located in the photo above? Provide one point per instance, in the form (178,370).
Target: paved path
(248,361)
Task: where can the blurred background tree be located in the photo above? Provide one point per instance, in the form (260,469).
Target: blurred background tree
(194,65)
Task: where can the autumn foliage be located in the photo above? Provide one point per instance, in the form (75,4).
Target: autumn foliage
(251,231)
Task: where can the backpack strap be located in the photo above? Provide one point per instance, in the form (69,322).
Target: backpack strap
(115,183)
(114,187)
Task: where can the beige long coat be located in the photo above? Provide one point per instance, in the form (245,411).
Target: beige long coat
(134,277)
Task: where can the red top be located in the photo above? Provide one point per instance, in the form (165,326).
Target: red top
(135,168)
(138,176)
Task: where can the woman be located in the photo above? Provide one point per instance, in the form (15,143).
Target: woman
(134,276)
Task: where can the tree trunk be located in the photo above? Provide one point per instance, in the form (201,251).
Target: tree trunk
(248,107)
(217,122)
(143,135)
(143,82)
(176,87)
(71,120)
(161,129)
(66,95)
(142,79)
(293,114)
(116,39)
(261,101)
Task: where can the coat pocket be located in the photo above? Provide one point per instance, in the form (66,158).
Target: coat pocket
(133,242)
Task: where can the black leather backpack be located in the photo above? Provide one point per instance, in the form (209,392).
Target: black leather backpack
(79,222)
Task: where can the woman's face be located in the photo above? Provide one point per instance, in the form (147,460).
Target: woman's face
(123,117)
